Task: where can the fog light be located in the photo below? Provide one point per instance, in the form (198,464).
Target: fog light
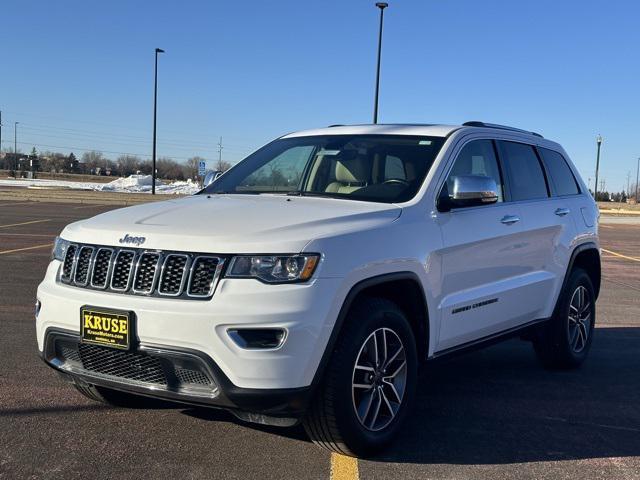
(258,338)
(38,306)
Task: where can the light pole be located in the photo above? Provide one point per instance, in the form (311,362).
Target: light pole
(595,188)
(15,147)
(381,6)
(155,108)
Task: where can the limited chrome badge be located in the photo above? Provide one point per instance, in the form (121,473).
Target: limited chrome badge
(129,240)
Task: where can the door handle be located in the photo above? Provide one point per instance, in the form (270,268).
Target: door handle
(510,219)
(561,212)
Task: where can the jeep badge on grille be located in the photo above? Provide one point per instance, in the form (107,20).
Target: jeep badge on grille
(129,240)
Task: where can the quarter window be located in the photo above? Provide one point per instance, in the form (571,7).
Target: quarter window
(477,158)
(562,179)
(526,178)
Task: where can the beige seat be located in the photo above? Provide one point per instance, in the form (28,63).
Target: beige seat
(351,174)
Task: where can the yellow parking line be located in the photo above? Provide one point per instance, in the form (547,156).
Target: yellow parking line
(4,252)
(24,223)
(620,255)
(343,467)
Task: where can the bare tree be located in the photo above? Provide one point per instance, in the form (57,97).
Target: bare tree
(129,164)
(222,166)
(191,168)
(168,168)
(94,159)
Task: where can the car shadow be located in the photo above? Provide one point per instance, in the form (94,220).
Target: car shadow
(499,406)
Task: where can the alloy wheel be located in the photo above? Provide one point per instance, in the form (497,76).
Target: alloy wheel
(579,319)
(379,379)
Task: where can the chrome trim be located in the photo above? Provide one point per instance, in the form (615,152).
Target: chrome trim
(115,252)
(68,279)
(109,264)
(75,273)
(74,264)
(214,279)
(155,273)
(115,262)
(185,270)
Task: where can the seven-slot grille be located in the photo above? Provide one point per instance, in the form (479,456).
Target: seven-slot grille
(141,272)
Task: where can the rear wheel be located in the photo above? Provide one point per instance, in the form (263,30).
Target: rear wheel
(369,383)
(565,341)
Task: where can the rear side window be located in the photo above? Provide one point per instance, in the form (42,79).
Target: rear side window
(526,178)
(562,179)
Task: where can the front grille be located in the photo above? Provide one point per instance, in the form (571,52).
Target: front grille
(101,267)
(191,377)
(131,366)
(122,270)
(173,274)
(82,265)
(69,260)
(203,276)
(157,369)
(146,272)
(141,272)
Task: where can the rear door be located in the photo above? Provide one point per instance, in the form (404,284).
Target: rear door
(481,265)
(547,226)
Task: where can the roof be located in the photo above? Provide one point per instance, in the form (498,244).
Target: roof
(379,129)
(405,129)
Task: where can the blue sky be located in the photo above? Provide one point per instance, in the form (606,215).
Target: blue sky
(80,73)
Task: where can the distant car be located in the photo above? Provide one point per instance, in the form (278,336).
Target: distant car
(310,281)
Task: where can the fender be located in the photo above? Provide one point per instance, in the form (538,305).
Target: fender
(346,306)
(579,249)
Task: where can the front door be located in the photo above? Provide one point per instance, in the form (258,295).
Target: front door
(481,258)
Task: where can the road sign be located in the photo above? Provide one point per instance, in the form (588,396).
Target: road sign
(202,168)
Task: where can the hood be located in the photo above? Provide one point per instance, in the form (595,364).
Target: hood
(232,223)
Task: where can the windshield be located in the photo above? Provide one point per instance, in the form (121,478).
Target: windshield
(377,168)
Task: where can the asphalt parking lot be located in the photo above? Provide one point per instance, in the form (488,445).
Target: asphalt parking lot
(489,414)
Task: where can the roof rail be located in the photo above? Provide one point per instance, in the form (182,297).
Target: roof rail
(499,127)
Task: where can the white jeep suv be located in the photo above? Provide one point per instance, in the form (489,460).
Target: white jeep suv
(310,281)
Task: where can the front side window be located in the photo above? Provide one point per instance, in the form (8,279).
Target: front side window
(377,168)
(477,157)
(526,178)
(562,179)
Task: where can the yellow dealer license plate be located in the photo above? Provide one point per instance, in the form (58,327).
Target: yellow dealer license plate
(103,326)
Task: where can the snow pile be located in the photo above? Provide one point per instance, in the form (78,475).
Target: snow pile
(131,184)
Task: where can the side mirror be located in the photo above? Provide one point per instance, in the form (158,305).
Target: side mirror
(468,191)
(211,177)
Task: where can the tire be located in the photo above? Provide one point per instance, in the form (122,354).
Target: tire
(332,421)
(561,343)
(115,398)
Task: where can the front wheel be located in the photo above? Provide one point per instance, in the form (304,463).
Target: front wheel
(369,383)
(565,341)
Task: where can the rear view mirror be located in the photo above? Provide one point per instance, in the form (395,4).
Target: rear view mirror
(468,191)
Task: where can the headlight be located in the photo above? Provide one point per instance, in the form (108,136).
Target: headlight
(59,249)
(274,268)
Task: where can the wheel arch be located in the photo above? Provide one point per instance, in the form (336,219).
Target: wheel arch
(587,257)
(405,290)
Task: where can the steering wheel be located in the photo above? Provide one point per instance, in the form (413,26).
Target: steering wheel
(396,180)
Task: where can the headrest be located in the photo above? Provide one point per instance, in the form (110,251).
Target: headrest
(352,170)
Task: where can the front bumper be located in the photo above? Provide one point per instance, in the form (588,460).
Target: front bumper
(169,373)
(303,310)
